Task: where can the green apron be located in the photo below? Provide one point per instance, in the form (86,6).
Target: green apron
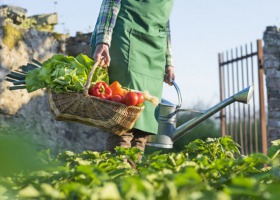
(138,52)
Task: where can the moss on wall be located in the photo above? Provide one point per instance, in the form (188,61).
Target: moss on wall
(11,36)
(60,36)
(28,23)
(32,23)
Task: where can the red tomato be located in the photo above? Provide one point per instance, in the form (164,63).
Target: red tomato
(123,99)
(116,98)
(141,98)
(131,98)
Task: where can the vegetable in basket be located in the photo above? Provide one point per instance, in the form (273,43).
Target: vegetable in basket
(115,92)
(60,73)
(131,98)
(101,90)
(117,98)
(117,89)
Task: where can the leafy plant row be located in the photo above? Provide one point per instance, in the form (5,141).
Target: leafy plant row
(211,169)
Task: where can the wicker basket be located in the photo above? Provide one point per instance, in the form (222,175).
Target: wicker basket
(80,107)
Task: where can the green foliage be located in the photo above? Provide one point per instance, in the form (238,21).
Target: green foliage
(211,169)
(204,130)
(64,74)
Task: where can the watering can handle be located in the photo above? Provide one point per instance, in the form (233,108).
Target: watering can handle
(179,94)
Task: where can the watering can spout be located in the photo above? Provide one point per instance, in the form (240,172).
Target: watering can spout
(244,95)
(165,138)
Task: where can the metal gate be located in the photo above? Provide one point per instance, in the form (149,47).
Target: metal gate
(239,68)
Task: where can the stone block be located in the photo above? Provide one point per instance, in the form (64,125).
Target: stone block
(273,105)
(45,19)
(273,134)
(271,29)
(274,114)
(15,13)
(273,92)
(275,123)
(271,48)
(78,44)
(272,73)
(271,62)
(273,83)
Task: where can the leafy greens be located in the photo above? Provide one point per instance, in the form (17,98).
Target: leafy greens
(64,74)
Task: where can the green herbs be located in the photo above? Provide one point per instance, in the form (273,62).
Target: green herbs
(64,74)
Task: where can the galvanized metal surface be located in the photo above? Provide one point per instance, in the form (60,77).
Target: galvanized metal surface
(167,118)
(243,96)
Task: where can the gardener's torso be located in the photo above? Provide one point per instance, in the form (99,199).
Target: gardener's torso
(138,51)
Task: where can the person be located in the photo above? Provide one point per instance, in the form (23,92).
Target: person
(133,39)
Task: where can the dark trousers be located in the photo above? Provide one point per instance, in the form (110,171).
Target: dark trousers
(133,138)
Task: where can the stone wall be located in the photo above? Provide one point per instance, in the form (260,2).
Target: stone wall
(272,70)
(22,38)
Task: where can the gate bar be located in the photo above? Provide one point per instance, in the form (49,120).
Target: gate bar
(261,94)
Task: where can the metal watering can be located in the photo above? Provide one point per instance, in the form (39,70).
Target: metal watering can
(167,117)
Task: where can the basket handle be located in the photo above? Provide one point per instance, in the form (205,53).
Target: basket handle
(87,85)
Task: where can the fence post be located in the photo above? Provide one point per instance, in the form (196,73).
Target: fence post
(222,112)
(261,96)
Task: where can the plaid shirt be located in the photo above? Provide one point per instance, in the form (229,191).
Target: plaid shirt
(106,21)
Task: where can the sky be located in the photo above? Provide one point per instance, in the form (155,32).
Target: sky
(200,30)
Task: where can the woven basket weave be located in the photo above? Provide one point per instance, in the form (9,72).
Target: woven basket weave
(83,108)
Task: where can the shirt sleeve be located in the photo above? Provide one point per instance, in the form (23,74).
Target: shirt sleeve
(105,22)
(169,59)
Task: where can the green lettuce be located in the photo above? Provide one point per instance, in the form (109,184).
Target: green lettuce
(65,74)
(32,81)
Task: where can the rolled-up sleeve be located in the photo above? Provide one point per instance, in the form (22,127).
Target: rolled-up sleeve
(169,59)
(105,22)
